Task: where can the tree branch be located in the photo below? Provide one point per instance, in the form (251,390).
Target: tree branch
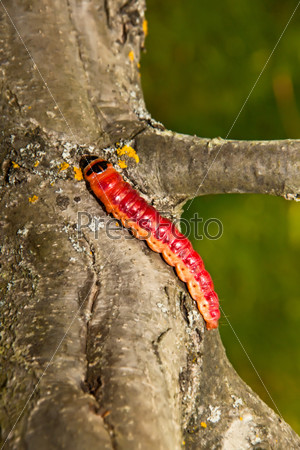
(217,166)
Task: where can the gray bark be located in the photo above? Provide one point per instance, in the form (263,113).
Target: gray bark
(102,347)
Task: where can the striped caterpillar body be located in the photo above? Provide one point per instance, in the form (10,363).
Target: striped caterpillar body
(125,204)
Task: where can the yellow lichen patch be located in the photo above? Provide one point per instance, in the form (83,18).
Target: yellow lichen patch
(203,424)
(131,56)
(138,65)
(15,165)
(78,174)
(36,164)
(122,164)
(241,418)
(63,166)
(33,199)
(145,27)
(129,151)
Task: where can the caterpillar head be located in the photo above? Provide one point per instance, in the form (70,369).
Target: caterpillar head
(91,164)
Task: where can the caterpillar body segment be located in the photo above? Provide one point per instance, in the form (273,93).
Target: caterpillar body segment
(161,235)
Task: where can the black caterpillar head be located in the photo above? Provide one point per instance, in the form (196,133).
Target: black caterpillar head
(99,165)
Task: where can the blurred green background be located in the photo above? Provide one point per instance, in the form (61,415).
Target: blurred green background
(201,63)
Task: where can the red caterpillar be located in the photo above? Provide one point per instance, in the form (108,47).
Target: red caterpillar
(124,202)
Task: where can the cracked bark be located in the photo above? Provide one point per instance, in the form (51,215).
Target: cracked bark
(102,345)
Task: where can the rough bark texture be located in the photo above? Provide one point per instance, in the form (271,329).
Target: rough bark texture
(102,346)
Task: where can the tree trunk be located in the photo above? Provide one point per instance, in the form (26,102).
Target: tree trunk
(102,347)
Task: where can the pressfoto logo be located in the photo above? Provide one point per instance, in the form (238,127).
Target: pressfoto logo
(196,228)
